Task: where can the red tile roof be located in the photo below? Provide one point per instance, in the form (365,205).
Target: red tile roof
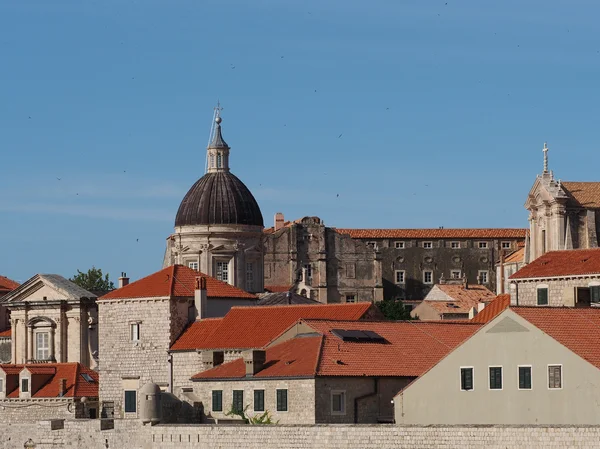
(255,327)
(493,309)
(492,233)
(460,299)
(577,329)
(76,384)
(587,194)
(562,263)
(6,334)
(176,280)
(297,357)
(196,333)
(7,285)
(517,256)
(410,349)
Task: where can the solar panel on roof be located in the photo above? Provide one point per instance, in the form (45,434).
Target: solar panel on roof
(355,335)
(87,377)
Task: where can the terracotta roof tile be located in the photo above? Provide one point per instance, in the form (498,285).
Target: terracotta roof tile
(176,280)
(255,327)
(6,334)
(562,263)
(196,333)
(493,309)
(517,256)
(577,329)
(76,385)
(587,194)
(492,233)
(7,285)
(460,300)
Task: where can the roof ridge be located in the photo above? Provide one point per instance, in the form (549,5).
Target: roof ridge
(319,355)
(357,304)
(427,333)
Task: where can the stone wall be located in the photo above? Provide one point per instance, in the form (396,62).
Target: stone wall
(131,435)
(14,410)
(561,292)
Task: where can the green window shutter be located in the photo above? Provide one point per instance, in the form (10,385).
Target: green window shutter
(525,378)
(259,400)
(282,400)
(217,400)
(495,378)
(595,294)
(542,296)
(554,377)
(238,400)
(466,378)
(130,401)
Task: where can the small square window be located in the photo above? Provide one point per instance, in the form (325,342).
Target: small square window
(130,401)
(495,378)
(193,265)
(466,379)
(282,400)
(217,400)
(400,277)
(524,377)
(427,245)
(400,245)
(554,377)
(542,296)
(350,298)
(506,245)
(338,402)
(455,245)
(134,331)
(428,277)
(483,245)
(455,274)
(483,276)
(259,400)
(24,385)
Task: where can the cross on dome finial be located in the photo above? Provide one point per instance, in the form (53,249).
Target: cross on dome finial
(545,150)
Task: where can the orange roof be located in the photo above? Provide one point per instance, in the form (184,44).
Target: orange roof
(176,280)
(517,256)
(76,385)
(493,309)
(297,357)
(410,349)
(460,299)
(6,334)
(277,288)
(573,262)
(577,329)
(587,194)
(7,285)
(492,233)
(255,327)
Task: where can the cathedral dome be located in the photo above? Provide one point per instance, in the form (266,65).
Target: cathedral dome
(219,198)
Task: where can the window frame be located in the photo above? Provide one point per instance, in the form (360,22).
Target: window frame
(342,393)
(594,287)
(396,273)
(530,377)
(219,394)
(132,334)
(196,265)
(249,276)
(487,276)
(233,395)
(429,243)
(483,245)
(490,367)
(460,383)
(562,377)
(353,296)
(537,295)
(260,392)
(25,382)
(456,271)
(400,245)
(134,402)
(224,265)
(505,245)
(424,277)
(279,391)
(1,385)
(452,245)
(39,348)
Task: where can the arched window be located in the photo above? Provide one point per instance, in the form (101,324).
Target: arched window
(219,160)
(212,161)
(41,338)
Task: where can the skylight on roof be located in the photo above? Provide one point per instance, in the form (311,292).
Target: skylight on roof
(88,378)
(359,336)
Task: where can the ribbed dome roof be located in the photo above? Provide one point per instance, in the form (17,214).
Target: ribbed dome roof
(219,198)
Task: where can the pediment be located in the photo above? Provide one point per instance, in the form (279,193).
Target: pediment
(46,287)
(507,325)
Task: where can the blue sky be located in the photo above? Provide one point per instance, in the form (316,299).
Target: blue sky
(442,108)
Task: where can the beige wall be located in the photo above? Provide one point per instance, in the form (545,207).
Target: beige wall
(425,312)
(561,292)
(436,398)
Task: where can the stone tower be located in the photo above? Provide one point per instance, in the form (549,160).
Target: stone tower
(219,225)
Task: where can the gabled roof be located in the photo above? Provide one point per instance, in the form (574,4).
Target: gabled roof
(577,329)
(68,289)
(493,309)
(76,386)
(491,233)
(6,284)
(285,298)
(573,262)
(457,298)
(255,327)
(409,349)
(586,194)
(176,281)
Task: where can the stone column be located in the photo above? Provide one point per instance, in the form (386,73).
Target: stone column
(52,330)
(13,342)
(73,337)
(30,344)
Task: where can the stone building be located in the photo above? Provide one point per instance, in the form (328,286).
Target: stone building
(52,320)
(328,371)
(219,225)
(562,215)
(559,279)
(139,322)
(320,263)
(6,286)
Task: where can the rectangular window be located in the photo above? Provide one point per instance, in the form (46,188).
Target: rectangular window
(428,277)
(400,277)
(554,377)
(338,402)
(238,400)
(483,245)
(249,276)
(506,245)
(130,401)
(217,400)
(466,379)
(524,377)
(483,276)
(223,271)
(542,296)
(455,245)
(595,294)
(42,346)
(455,274)
(135,331)
(308,271)
(282,401)
(544,241)
(24,385)
(193,265)
(400,245)
(259,400)
(495,378)
(427,245)
(350,298)
(1,385)
(350,270)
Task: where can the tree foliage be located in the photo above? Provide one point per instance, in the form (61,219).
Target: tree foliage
(94,280)
(262,419)
(394,310)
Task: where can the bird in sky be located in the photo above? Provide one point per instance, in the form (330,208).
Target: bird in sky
(338,195)
(340,136)
(59,178)
(137,240)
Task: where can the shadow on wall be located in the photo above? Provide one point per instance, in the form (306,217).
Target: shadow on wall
(5,350)
(411,290)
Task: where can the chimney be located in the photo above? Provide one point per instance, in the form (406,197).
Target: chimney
(254,360)
(279,220)
(62,387)
(480,306)
(210,359)
(200,298)
(123,280)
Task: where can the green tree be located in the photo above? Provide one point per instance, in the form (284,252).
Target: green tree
(394,310)
(93,280)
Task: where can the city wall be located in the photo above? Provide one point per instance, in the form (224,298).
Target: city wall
(130,434)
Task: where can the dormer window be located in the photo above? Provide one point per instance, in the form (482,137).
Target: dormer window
(24,385)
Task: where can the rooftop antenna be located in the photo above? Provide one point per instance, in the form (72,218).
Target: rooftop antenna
(216,114)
